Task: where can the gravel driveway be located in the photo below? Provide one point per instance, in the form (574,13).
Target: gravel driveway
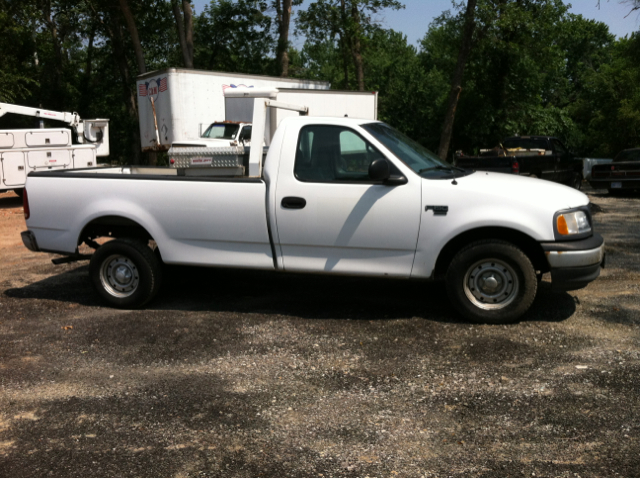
(235,373)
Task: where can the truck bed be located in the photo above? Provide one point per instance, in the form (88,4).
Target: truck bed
(177,210)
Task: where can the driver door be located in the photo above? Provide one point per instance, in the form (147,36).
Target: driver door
(332,218)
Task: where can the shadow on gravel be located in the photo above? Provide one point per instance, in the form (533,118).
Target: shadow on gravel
(163,427)
(303,296)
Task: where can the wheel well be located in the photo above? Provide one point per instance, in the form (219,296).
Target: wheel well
(528,245)
(113,227)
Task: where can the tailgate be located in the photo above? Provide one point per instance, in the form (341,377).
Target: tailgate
(623,169)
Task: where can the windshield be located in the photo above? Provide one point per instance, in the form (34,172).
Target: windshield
(628,155)
(223,131)
(410,152)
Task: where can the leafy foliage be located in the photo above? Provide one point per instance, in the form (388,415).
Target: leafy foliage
(534,67)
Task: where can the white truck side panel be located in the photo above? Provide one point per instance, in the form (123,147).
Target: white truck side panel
(345,228)
(186,100)
(193,222)
(483,204)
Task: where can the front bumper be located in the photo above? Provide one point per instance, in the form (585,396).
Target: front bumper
(574,264)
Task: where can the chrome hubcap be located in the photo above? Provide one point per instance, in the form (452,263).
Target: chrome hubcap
(491,284)
(119,276)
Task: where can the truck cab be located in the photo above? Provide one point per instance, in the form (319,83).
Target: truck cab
(219,134)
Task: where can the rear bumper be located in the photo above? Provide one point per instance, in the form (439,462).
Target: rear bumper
(615,184)
(29,240)
(575,264)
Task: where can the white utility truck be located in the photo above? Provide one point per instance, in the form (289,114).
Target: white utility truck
(337,196)
(37,149)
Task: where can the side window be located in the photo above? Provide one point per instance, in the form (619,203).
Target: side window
(333,154)
(246,133)
(559,147)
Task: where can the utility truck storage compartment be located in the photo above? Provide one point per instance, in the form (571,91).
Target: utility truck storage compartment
(14,172)
(47,138)
(6,139)
(35,138)
(84,156)
(49,158)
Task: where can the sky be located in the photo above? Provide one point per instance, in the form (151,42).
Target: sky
(415,18)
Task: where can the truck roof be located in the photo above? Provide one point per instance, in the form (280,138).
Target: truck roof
(155,73)
(329,120)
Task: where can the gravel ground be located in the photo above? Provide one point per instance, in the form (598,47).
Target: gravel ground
(235,373)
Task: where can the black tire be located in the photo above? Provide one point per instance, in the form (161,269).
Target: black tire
(503,290)
(576,181)
(126,273)
(19,192)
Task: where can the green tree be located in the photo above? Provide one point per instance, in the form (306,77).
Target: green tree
(526,69)
(234,36)
(345,22)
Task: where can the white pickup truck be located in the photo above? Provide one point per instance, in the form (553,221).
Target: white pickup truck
(335,196)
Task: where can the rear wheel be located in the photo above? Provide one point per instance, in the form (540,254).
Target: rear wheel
(126,273)
(491,281)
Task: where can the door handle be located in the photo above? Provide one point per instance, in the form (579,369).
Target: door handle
(293,202)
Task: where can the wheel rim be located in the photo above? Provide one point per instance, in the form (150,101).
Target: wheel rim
(119,276)
(491,284)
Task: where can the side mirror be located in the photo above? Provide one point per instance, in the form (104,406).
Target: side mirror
(379,170)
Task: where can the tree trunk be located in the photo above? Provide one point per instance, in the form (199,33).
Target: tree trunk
(185,30)
(86,96)
(57,48)
(133,31)
(456,83)
(356,48)
(179,26)
(188,32)
(283,12)
(344,46)
(128,96)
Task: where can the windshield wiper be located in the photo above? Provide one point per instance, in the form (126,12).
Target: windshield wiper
(442,168)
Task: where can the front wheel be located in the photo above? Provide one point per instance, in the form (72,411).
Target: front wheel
(126,273)
(491,281)
(576,181)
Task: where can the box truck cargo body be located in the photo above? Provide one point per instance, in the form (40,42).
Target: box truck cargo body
(319,103)
(178,104)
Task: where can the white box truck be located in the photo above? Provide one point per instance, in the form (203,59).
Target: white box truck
(177,104)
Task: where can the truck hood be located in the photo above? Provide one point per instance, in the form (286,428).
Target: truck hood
(523,190)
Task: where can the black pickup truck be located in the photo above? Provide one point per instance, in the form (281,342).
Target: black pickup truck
(622,174)
(535,156)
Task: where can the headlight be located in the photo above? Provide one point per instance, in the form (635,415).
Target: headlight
(572,224)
